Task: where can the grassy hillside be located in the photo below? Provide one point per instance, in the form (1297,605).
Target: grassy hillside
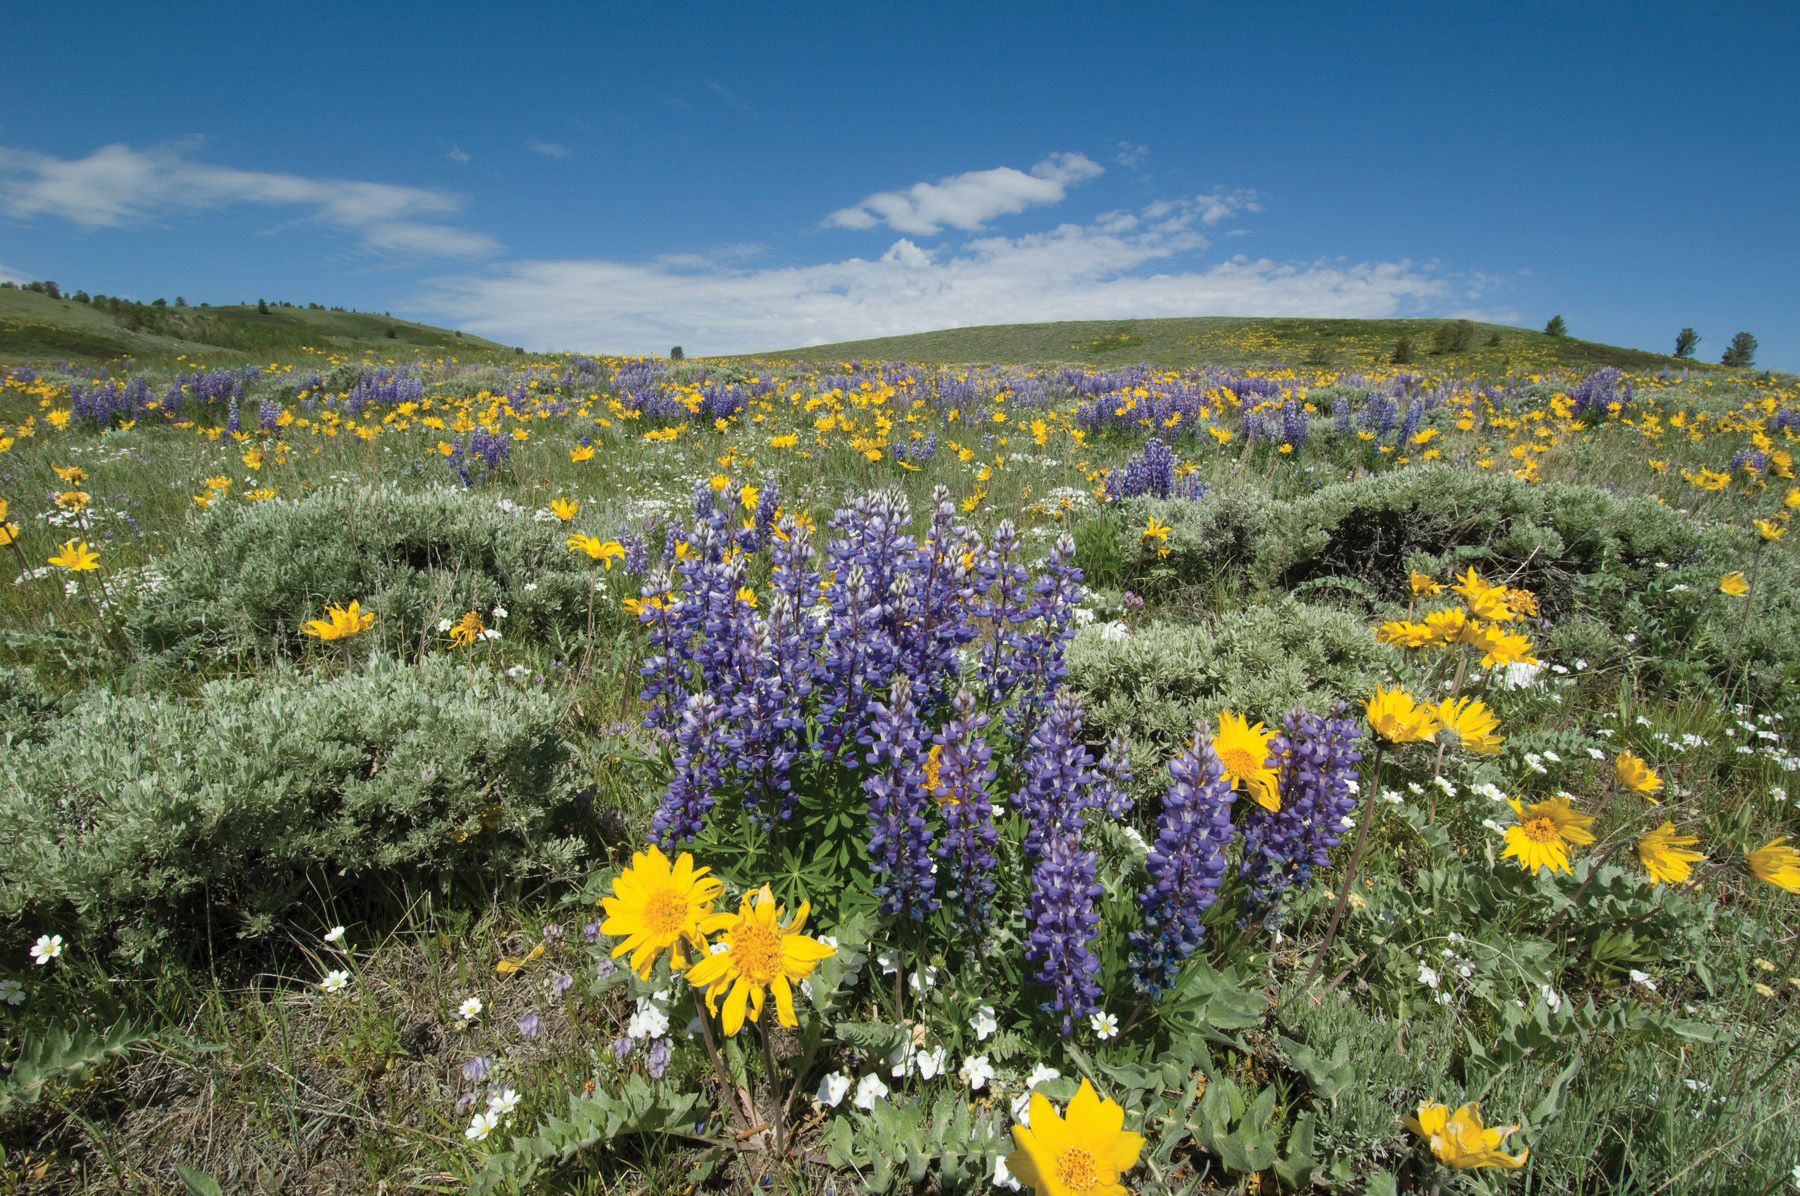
(1237,341)
(37,328)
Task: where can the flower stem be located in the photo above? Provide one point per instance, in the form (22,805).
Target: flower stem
(1362,839)
(712,1051)
(774,1084)
(1744,623)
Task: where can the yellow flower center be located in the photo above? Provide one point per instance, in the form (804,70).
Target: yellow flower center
(756,950)
(1542,830)
(665,911)
(1240,764)
(1076,1170)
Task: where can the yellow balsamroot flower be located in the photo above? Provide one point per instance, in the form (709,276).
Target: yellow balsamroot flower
(1522,602)
(74,474)
(219,484)
(1083,1154)
(1770,530)
(605,551)
(467,630)
(1544,833)
(1243,750)
(341,622)
(564,509)
(1792,501)
(1446,626)
(76,557)
(1157,531)
(1472,723)
(1777,864)
(1499,648)
(747,596)
(72,500)
(1706,479)
(1636,775)
(1484,601)
(1734,584)
(1665,855)
(1398,719)
(584,453)
(1460,1141)
(8,531)
(1424,587)
(761,956)
(657,906)
(1404,634)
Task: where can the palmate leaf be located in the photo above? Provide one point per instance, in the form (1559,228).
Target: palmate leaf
(60,1052)
(639,1108)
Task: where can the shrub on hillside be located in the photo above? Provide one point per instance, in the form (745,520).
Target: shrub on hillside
(249,576)
(146,818)
(1260,660)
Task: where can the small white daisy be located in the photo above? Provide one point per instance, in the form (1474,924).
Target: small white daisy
(47,948)
(470,1009)
(335,982)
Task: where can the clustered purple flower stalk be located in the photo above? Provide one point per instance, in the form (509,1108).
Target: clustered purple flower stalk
(656,1059)
(1293,424)
(1318,760)
(899,835)
(1037,665)
(690,795)
(965,773)
(1186,865)
(1060,777)
(1152,473)
(473,457)
(1063,919)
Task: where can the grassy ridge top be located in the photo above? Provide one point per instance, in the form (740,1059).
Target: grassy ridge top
(37,328)
(1235,341)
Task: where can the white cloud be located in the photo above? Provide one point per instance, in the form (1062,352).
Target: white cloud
(118,185)
(1113,268)
(457,153)
(1130,156)
(969,200)
(548,148)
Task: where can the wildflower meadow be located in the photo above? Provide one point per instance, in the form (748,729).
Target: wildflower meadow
(586,775)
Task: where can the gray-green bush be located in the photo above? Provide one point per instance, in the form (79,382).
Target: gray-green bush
(140,817)
(248,577)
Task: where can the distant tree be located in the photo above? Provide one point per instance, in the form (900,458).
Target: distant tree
(80,297)
(676,354)
(159,302)
(1556,327)
(262,307)
(180,302)
(9,285)
(1685,341)
(1454,337)
(1493,340)
(1742,352)
(1403,351)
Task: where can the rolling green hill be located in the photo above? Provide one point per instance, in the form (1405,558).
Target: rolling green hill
(1238,342)
(36,328)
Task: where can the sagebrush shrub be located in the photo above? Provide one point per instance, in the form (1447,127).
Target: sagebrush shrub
(134,814)
(247,578)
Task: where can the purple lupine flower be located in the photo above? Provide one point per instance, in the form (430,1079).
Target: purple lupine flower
(1186,865)
(1317,761)
(690,795)
(865,557)
(233,424)
(1113,773)
(636,560)
(268,412)
(1293,424)
(530,1024)
(1063,919)
(476,1069)
(930,620)
(965,771)
(1060,778)
(656,1059)
(553,932)
(899,836)
(1003,598)
(1038,665)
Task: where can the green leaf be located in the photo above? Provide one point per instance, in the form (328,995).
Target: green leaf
(199,1183)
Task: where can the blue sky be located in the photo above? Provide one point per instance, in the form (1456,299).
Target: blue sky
(733,177)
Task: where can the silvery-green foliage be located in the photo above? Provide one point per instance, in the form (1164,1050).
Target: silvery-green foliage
(247,577)
(136,813)
(60,1053)
(1260,660)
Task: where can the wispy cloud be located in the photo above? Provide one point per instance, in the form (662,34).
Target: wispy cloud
(1130,156)
(968,201)
(119,185)
(730,97)
(549,149)
(1123,265)
(457,153)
